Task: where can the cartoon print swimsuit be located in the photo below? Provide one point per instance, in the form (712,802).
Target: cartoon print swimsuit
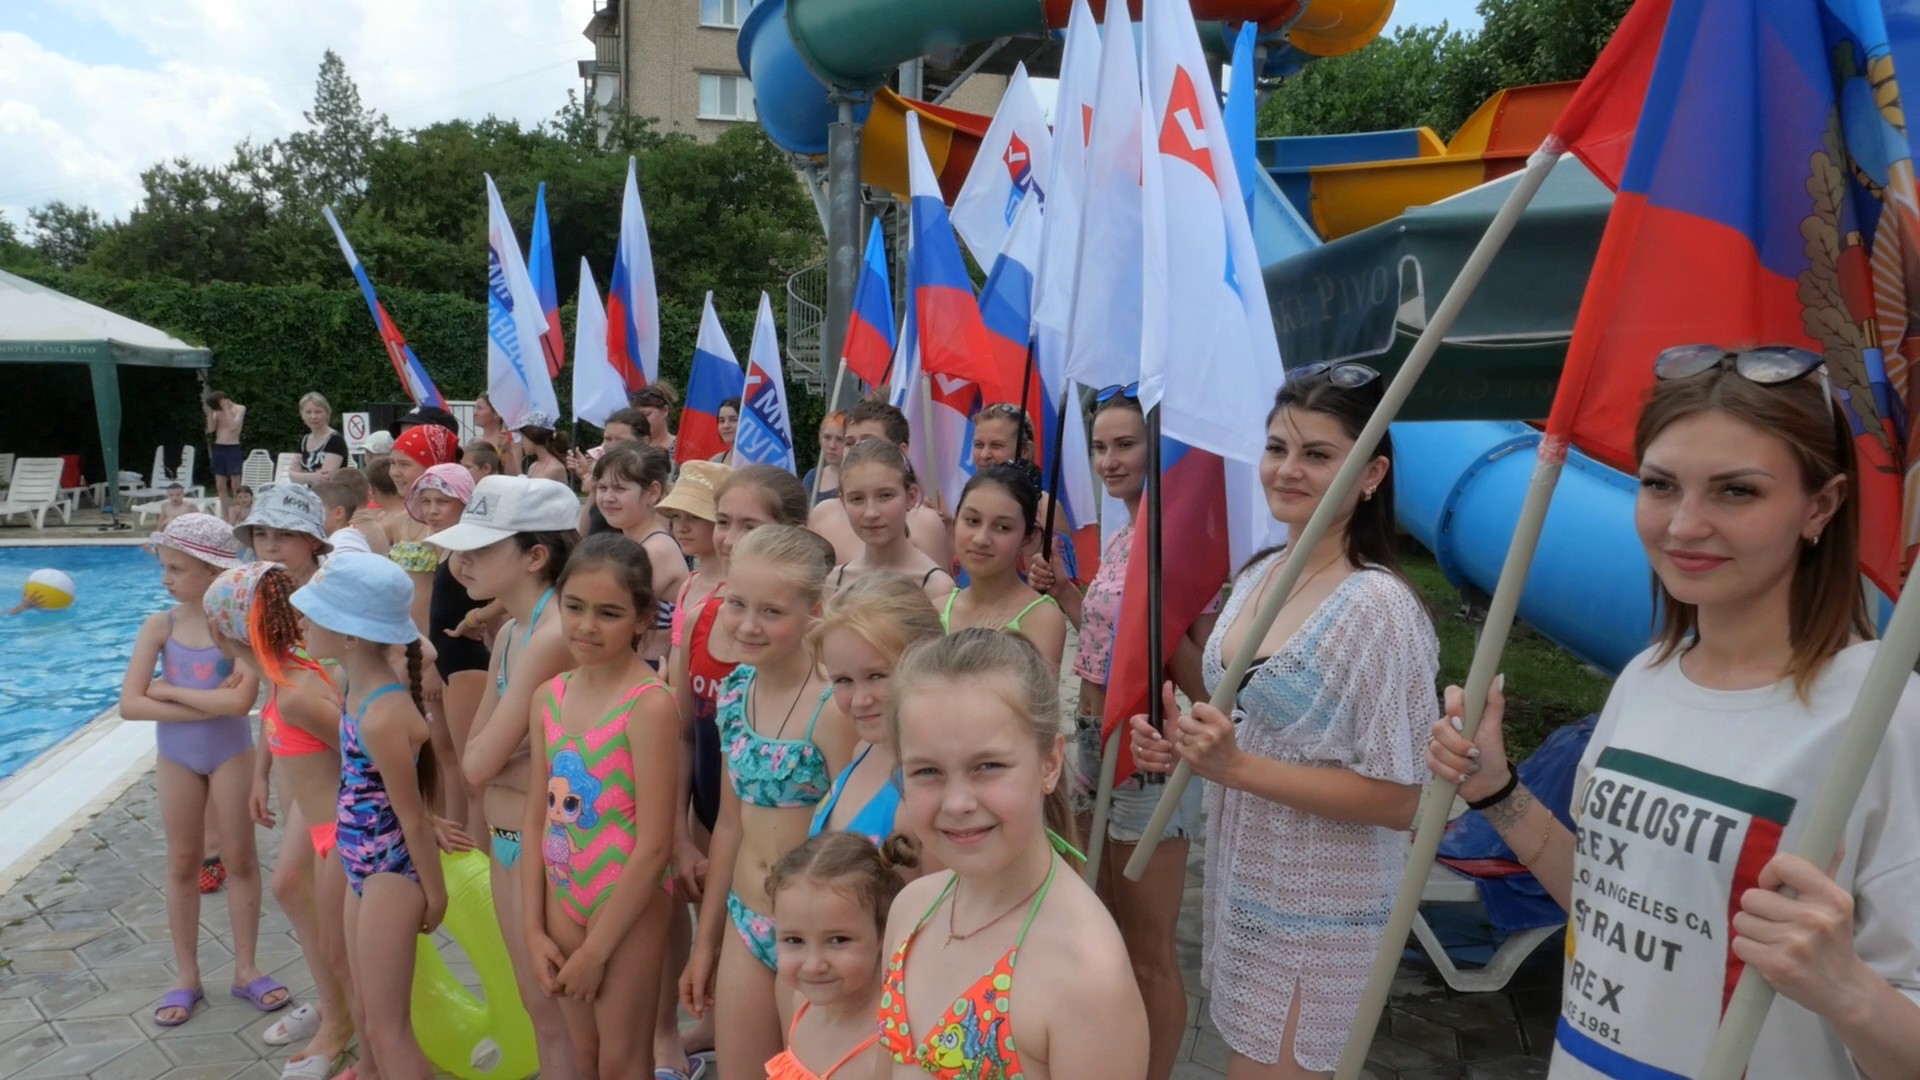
(591,830)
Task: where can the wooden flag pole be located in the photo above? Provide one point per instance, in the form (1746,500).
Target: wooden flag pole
(820,466)
(1397,392)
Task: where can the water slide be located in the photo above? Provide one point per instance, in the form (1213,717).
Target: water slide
(1460,482)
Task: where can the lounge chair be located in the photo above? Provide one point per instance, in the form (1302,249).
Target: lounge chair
(159,479)
(36,490)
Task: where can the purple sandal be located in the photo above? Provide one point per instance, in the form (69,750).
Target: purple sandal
(257,991)
(184,1000)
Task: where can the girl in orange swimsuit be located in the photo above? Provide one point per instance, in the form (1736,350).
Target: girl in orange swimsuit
(605,766)
(830,900)
(254,622)
(1005,966)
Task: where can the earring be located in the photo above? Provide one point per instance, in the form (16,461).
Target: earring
(1813,541)
(1367,495)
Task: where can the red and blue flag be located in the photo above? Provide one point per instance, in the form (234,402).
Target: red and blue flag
(1768,198)
(953,341)
(633,302)
(766,427)
(871,339)
(553,344)
(715,377)
(412,373)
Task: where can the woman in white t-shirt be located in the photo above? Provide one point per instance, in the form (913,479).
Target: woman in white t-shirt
(1712,745)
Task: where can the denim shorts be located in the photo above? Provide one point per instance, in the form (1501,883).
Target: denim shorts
(1134,799)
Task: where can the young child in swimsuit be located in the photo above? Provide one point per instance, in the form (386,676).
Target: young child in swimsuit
(877,489)
(606,742)
(458,675)
(997,520)
(689,511)
(199,705)
(513,538)
(783,740)
(830,900)
(860,637)
(254,622)
(628,483)
(1009,964)
(743,500)
(352,611)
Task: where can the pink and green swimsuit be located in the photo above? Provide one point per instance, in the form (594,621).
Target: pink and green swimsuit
(591,830)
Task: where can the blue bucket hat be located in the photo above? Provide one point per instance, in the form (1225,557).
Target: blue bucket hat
(363,596)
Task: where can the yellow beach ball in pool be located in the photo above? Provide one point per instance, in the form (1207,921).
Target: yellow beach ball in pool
(50,589)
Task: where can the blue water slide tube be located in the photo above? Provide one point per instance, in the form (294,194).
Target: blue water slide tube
(792,102)
(1459,488)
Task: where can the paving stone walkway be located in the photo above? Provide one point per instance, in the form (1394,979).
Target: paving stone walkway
(85,954)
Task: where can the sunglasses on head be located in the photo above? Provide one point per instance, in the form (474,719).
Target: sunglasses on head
(1108,393)
(1345,374)
(1768,365)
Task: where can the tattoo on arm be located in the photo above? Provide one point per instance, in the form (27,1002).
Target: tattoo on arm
(1507,814)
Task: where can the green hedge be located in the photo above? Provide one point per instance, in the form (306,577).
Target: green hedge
(272,344)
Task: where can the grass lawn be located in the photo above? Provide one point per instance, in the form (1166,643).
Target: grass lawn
(1546,686)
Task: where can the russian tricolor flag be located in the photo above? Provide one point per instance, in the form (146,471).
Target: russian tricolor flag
(953,341)
(412,373)
(553,344)
(871,339)
(715,377)
(633,303)
(598,389)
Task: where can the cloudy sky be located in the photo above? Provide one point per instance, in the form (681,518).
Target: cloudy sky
(93,91)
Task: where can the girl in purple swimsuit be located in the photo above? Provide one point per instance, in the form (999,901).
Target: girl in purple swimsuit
(199,705)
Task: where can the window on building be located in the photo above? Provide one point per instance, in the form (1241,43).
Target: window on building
(726,97)
(724,12)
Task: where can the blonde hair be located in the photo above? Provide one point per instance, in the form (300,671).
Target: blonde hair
(1012,668)
(878,452)
(796,553)
(887,611)
(782,495)
(314,397)
(865,874)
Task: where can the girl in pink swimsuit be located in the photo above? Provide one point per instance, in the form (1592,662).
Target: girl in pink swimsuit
(604,781)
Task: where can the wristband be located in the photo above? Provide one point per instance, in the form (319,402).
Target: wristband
(1513,781)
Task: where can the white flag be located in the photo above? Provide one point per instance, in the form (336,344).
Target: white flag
(598,389)
(1054,277)
(1014,159)
(517,381)
(766,428)
(1208,357)
(1103,344)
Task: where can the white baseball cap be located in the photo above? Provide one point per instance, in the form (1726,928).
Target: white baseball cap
(502,506)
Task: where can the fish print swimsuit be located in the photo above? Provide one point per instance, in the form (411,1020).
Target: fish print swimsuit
(366,829)
(591,830)
(973,1039)
(780,774)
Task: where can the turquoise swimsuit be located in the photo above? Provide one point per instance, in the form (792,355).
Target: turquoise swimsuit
(780,774)
(506,842)
(875,820)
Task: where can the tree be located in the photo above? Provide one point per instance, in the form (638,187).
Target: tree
(1436,77)
(15,253)
(65,233)
(330,162)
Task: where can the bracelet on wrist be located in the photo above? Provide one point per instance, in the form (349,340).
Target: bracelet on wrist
(1498,797)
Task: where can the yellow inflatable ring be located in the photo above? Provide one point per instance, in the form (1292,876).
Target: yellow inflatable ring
(461,1034)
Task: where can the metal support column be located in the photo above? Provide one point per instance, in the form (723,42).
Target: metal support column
(843,243)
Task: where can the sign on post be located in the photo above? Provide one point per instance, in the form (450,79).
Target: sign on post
(356,426)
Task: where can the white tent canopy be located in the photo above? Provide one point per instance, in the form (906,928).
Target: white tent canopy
(39,325)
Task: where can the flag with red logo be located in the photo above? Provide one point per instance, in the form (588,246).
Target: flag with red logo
(1015,154)
(766,431)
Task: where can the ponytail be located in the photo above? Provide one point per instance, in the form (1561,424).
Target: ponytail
(426,772)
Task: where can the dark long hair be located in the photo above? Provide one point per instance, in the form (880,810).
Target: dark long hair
(1370,534)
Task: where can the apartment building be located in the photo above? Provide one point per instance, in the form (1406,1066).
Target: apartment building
(676,61)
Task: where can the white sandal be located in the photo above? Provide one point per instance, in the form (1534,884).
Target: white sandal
(313,1067)
(299,1025)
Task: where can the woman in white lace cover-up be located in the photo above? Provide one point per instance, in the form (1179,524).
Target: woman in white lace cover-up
(1309,796)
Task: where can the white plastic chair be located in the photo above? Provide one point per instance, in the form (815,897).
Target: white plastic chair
(1446,885)
(283,467)
(6,473)
(157,480)
(35,490)
(257,471)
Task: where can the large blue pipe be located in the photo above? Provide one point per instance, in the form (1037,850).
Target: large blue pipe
(1459,488)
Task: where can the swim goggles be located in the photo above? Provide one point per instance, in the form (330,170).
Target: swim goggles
(1768,365)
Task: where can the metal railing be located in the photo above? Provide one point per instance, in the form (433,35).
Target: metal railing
(806,318)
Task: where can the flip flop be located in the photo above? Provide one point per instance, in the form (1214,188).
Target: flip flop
(185,1000)
(307,1068)
(257,991)
(297,1026)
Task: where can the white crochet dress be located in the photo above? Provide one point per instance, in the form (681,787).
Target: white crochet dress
(1294,900)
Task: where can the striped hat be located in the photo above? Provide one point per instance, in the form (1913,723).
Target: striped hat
(202,536)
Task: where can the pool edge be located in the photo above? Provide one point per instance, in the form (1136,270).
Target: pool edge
(54,796)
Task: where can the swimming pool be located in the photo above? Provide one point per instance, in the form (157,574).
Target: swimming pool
(60,669)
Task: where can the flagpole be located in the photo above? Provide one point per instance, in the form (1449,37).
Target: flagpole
(1397,392)
(931,482)
(1053,473)
(1859,745)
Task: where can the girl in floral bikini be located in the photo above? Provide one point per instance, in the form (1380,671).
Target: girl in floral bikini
(1008,965)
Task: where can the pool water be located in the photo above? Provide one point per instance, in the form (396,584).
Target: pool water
(60,669)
